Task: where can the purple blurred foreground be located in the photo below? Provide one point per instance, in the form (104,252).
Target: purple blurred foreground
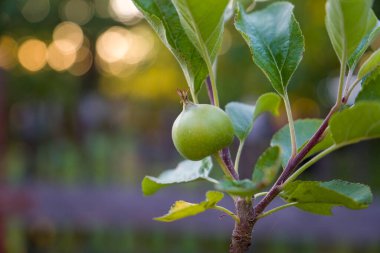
(126,207)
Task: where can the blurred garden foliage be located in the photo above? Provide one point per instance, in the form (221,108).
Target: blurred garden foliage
(87,97)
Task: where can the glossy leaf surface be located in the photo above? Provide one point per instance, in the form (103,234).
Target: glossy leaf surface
(347,23)
(275,39)
(186,171)
(321,197)
(358,123)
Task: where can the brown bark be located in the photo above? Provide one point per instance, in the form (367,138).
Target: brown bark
(242,233)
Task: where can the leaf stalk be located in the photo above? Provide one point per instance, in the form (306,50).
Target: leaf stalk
(292,164)
(238,155)
(310,163)
(341,79)
(276,209)
(228,212)
(230,174)
(291,124)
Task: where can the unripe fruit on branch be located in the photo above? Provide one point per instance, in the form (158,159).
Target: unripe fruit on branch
(201,130)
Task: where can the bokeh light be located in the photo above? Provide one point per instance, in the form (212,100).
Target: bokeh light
(82,63)
(120,50)
(124,11)
(304,107)
(68,37)
(113,44)
(8,52)
(101,8)
(58,59)
(32,54)
(153,84)
(78,11)
(141,45)
(35,10)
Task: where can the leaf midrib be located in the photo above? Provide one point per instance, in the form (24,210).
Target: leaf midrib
(261,38)
(170,34)
(201,42)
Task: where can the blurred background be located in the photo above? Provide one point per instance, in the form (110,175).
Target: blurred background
(87,100)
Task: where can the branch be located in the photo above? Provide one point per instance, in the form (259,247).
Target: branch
(226,157)
(349,91)
(224,154)
(292,164)
(210,90)
(212,79)
(224,167)
(309,163)
(348,80)
(242,233)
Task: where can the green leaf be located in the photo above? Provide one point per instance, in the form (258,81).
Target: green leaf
(182,209)
(164,19)
(370,88)
(185,171)
(304,128)
(265,172)
(275,39)
(203,25)
(243,116)
(321,197)
(357,123)
(244,188)
(364,44)
(347,23)
(370,64)
(268,102)
(267,167)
